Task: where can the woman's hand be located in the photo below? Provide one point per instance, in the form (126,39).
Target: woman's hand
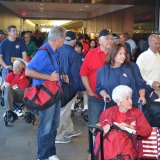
(122,125)
(142,100)
(105,96)
(106,128)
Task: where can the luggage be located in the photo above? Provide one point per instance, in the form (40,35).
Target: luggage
(151,146)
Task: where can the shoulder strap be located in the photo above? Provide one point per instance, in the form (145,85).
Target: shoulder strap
(49,55)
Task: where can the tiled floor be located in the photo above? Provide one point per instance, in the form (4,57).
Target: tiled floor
(18,141)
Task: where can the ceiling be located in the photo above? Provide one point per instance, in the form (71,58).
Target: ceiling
(67,9)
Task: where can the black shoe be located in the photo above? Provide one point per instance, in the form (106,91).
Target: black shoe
(29,117)
(12,116)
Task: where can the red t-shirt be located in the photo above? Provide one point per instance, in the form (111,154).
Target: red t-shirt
(93,61)
(85,48)
(17,79)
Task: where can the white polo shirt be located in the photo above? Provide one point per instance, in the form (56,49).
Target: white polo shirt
(149,65)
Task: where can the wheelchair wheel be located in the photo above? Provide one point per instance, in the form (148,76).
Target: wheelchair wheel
(85,117)
(6,120)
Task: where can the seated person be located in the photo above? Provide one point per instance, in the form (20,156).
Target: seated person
(123,115)
(14,87)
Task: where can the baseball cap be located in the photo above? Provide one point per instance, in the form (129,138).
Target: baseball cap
(70,35)
(103,32)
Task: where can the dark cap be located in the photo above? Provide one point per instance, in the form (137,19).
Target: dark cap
(80,36)
(70,36)
(1,32)
(115,36)
(103,32)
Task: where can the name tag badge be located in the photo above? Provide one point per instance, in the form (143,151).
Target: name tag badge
(15,87)
(17,46)
(124,74)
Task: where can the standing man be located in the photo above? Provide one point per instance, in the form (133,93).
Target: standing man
(40,69)
(10,49)
(149,65)
(71,64)
(93,61)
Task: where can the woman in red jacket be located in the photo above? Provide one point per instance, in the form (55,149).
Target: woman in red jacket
(124,116)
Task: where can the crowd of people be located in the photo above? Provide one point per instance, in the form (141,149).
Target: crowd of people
(107,68)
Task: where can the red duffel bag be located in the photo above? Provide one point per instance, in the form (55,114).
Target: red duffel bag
(41,97)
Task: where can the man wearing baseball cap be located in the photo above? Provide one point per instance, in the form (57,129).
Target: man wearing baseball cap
(70,64)
(93,61)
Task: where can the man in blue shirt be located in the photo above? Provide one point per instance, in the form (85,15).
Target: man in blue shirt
(40,69)
(10,49)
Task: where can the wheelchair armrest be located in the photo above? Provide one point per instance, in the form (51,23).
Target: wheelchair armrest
(95,128)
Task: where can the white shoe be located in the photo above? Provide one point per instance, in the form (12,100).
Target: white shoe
(54,157)
(18,112)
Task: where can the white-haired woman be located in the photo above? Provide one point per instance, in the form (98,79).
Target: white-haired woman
(123,115)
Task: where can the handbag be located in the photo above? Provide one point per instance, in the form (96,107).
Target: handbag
(151,146)
(68,93)
(41,97)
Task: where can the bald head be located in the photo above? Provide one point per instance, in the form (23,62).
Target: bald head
(154,42)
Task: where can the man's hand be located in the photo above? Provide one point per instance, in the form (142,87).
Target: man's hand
(54,76)
(65,78)
(9,67)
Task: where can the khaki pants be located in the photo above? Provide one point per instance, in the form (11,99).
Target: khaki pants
(11,95)
(66,124)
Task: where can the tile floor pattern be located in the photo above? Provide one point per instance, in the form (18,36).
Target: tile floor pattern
(18,141)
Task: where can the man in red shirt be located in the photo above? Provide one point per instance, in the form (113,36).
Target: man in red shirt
(93,61)
(14,87)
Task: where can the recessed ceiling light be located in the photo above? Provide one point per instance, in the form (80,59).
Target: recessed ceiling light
(81,9)
(86,6)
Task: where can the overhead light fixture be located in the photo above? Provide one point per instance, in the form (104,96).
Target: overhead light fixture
(86,6)
(81,9)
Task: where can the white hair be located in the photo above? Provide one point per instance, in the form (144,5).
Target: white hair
(18,63)
(56,33)
(121,92)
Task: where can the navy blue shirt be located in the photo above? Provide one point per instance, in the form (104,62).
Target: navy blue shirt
(108,78)
(12,49)
(42,63)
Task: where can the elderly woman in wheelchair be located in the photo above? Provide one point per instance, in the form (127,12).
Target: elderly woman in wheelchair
(121,125)
(13,88)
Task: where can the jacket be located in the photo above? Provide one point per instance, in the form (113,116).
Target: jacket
(70,64)
(118,142)
(106,80)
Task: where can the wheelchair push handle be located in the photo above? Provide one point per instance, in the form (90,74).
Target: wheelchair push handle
(140,106)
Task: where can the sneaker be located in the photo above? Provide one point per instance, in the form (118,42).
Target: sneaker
(12,116)
(54,157)
(63,141)
(73,134)
(18,112)
(4,114)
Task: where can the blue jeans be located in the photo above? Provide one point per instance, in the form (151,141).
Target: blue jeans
(5,71)
(95,108)
(47,131)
